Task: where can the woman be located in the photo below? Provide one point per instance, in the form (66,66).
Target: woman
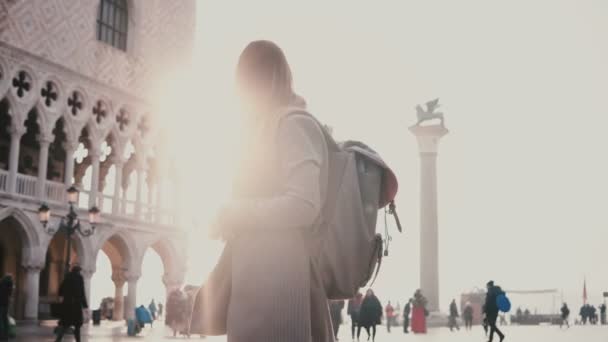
(353,310)
(419,313)
(177,311)
(370,315)
(276,292)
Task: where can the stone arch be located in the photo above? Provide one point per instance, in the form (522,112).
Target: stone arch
(174,261)
(28,233)
(120,248)
(19,243)
(54,266)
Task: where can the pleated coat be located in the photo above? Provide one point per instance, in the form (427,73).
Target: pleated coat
(276,293)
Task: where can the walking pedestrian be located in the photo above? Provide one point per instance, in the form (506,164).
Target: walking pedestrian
(467,314)
(73,303)
(335,310)
(6,291)
(389,312)
(603,313)
(565,314)
(453,316)
(370,315)
(406,315)
(583,313)
(353,310)
(276,202)
(491,310)
(160,309)
(152,309)
(419,313)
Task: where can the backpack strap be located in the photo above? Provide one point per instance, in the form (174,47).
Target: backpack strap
(336,166)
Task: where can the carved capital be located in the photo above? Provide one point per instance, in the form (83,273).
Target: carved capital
(70,146)
(32,268)
(86,273)
(45,139)
(118,277)
(16,131)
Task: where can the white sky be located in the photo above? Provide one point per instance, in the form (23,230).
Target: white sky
(522,174)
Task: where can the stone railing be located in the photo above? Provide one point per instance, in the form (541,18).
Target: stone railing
(26,185)
(54,192)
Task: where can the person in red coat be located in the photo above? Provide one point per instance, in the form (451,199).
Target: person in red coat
(419,313)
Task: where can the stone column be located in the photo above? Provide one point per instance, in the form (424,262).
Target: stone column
(428,141)
(118,278)
(157,200)
(116,201)
(43,162)
(87,274)
(32,291)
(70,149)
(123,205)
(138,192)
(13,165)
(131,296)
(95,154)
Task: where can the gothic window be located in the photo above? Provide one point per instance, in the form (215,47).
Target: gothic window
(112,22)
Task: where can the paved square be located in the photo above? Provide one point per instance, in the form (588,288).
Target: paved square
(114,333)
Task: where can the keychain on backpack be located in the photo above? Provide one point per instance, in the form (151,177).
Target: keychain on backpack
(392,210)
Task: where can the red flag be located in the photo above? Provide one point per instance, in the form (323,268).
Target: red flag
(585,291)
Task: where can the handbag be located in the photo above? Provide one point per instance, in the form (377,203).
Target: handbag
(210,312)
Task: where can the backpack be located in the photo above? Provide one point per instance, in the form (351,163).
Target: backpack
(503,303)
(346,247)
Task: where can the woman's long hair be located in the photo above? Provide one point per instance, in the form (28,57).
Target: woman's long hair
(264,77)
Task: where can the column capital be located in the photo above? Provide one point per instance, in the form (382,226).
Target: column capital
(32,268)
(118,277)
(87,273)
(428,137)
(45,139)
(173,280)
(132,278)
(94,153)
(70,145)
(17,130)
(118,161)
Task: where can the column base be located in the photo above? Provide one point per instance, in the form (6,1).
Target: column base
(437,320)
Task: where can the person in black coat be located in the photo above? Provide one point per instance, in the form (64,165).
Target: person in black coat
(406,315)
(74,302)
(335,311)
(453,323)
(353,310)
(491,309)
(6,291)
(370,315)
(565,314)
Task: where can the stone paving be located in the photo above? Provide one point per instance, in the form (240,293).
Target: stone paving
(117,333)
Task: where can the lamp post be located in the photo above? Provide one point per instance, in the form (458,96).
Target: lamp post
(69,224)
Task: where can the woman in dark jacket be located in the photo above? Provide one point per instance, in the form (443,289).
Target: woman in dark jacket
(370,315)
(74,301)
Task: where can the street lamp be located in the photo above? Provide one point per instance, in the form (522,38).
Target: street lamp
(69,224)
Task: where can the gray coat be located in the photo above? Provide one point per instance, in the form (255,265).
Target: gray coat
(276,293)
